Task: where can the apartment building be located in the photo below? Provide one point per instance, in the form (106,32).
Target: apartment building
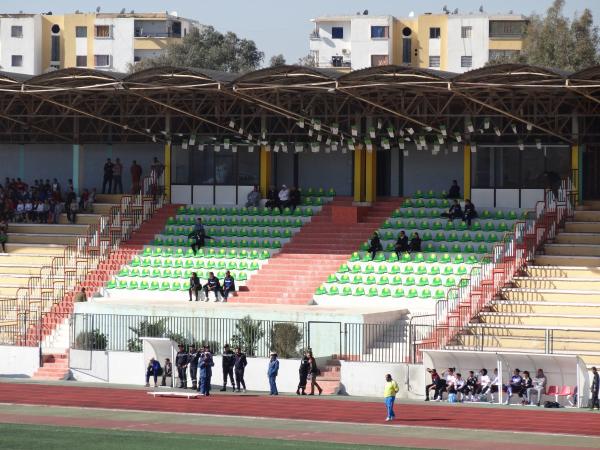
(37,43)
(451,42)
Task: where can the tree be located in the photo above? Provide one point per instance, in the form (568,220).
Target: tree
(308,61)
(556,41)
(249,333)
(206,48)
(277,60)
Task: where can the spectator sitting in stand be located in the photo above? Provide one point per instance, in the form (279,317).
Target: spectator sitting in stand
(454,212)
(253,198)
(284,197)
(538,385)
(454,191)
(83,200)
(167,372)
(435,377)
(415,243)
(526,384)
(401,245)
(28,210)
(469,212)
(295,197)
(228,286)
(272,198)
(375,245)
(212,285)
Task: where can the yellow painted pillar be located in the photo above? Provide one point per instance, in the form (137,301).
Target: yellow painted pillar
(359,174)
(370,175)
(576,171)
(467,171)
(168,171)
(265,170)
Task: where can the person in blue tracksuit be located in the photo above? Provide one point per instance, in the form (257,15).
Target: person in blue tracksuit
(272,373)
(205,365)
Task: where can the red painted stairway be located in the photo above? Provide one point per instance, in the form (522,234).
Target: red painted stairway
(317,250)
(57,365)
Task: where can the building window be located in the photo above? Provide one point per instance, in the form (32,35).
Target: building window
(465,32)
(406,50)
(55,48)
(379,60)
(434,61)
(81,32)
(337,32)
(509,29)
(434,33)
(380,32)
(102,31)
(17,60)
(466,61)
(102,60)
(81,61)
(16,31)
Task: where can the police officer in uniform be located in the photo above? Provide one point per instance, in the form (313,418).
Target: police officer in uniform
(239,366)
(205,364)
(181,361)
(193,357)
(228,360)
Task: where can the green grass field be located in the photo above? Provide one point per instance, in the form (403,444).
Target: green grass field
(28,437)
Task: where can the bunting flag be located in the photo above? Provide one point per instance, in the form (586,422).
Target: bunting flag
(319,137)
(335,128)
(267,147)
(251,149)
(422,140)
(310,132)
(327,149)
(201,147)
(405,153)
(401,145)
(234,148)
(351,144)
(299,148)
(538,144)
(390,132)
(369,145)
(317,124)
(184,145)
(428,129)
(328,141)
(385,143)
(473,148)
(192,140)
(440,139)
(436,149)
(334,147)
(284,147)
(249,136)
(457,136)
(379,124)
(354,130)
(529,127)
(454,148)
(372,132)
(521,145)
(401,132)
(443,130)
(263,135)
(241,131)
(315,147)
(231,124)
(226,144)
(276,148)
(470,127)
(486,124)
(497,131)
(344,150)
(216,148)
(514,128)
(300,123)
(410,130)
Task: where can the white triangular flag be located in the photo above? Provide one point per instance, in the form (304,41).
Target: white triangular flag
(217,148)
(335,128)
(231,124)
(454,148)
(405,152)
(192,140)
(250,148)
(226,144)
(184,145)
(234,148)
(201,147)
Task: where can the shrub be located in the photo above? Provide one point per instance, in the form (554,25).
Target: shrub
(91,340)
(285,340)
(146,329)
(249,333)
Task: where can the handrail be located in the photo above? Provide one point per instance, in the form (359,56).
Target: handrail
(507,258)
(65,273)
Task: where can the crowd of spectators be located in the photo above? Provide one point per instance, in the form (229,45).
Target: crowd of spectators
(42,201)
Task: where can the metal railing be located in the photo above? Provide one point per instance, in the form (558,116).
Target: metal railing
(507,258)
(65,273)
(123,332)
(376,342)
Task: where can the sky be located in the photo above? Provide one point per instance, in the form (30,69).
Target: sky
(283,26)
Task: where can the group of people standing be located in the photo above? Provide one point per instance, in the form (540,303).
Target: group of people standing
(112,179)
(285,198)
(309,371)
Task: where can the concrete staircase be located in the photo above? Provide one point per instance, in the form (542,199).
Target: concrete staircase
(292,276)
(561,293)
(55,367)
(330,378)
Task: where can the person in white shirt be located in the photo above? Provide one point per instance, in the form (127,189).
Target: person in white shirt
(447,379)
(539,386)
(484,382)
(19,211)
(40,213)
(494,384)
(284,197)
(28,210)
(459,384)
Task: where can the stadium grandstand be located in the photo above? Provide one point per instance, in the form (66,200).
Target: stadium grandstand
(372,152)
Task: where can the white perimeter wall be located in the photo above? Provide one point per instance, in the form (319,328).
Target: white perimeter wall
(363,46)
(328,47)
(358,379)
(19,362)
(476,46)
(29,46)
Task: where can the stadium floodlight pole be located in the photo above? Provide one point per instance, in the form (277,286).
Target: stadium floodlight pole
(391,111)
(93,116)
(452,88)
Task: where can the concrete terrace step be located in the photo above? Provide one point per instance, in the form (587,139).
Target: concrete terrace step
(81,219)
(35,249)
(546,308)
(562,272)
(572,250)
(578,238)
(582,227)
(30,238)
(568,260)
(549,319)
(551,295)
(587,216)
(557,283)
(49,229)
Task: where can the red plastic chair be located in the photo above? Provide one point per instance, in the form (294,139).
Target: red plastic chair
(552,390)
(565,391)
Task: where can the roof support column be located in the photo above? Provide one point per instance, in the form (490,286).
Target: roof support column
(359,174)
(167,158)
(576,162)
(265,170)
(467,171)
(371,175)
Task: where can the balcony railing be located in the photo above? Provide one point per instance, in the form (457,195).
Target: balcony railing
(155,34)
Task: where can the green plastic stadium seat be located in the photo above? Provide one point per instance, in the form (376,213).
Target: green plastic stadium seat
(409,281)
(344,279)
(346,291)
(426,237)
(450,282)
(392,258)
(369,269)
(421,270)
(461,270)
(436,282)
(359,292)
(133,285)
(154,286)
(408,269)
(333,290)
(395,269)
(412,293)
(373,292)
(418,194)
(419,258)
(331,279)
(385,292)
(370,280)
(356,268)
(482,249)
(423,281)
(321,291)
(383,280)
(439,294)
(459,259)
(111,285)
(397,280)
(425,293)
(343,268)
(382,269)
(398,293)
(357,279)
(432,258)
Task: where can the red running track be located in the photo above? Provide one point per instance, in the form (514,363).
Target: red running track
(315,409)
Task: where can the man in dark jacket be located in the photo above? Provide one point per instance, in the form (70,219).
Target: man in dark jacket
(212,285)
(108,176)
(454,191)
(228,285)
(205,365)
(401,245)
(228,361)
(195,285)
(198,236)
(181,362)
(454,212)
(239,366)
(303,372)
(375,245)
(595,388)
(193,357)
(167,372)
(153,370)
